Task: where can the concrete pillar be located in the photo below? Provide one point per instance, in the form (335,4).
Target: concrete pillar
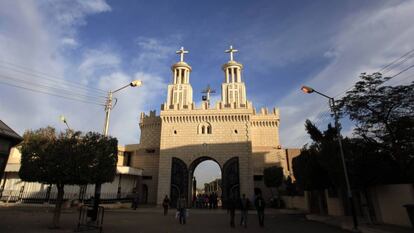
(227,76)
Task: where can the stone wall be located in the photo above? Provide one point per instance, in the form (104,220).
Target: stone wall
(297,202)
(389,200)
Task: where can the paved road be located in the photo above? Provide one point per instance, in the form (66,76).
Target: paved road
(151,220)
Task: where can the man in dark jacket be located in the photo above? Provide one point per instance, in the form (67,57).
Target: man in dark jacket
(244,207)
(260,206)
(231,209)
(182,208)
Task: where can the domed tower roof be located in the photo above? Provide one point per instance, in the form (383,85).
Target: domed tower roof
(181,64)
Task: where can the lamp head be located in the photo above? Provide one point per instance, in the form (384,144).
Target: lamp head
(307,89)
(62,118)
(136,83)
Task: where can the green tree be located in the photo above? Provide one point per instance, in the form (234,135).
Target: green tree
(48,158)
(101,152)
(68,158)
(384,117)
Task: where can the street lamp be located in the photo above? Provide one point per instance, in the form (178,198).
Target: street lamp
(309,90)
(108,108)
(108,104)
(63,119)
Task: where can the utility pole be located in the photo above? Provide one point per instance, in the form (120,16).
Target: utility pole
(108,108)
(309,90)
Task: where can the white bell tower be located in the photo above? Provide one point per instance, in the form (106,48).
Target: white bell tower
(233,90)
(180,92)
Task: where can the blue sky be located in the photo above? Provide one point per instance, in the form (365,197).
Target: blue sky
(106,44)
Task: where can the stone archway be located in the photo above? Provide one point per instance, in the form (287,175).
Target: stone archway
(230,180)
(191,170)
(179,180)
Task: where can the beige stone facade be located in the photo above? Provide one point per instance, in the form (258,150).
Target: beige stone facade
(230,130)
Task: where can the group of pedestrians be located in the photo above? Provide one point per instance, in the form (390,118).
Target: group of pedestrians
(244,204)
(206,201)
(181,213)
(232,204)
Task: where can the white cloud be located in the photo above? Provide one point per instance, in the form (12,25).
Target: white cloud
(69,13)
(130,102)
(153,53)
(32,40)
(96,60)
(69,42)
(365,43)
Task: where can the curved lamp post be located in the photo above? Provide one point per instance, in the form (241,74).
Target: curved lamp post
(63,119)
(108,108)
(309,90)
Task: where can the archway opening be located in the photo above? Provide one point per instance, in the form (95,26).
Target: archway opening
(206,188)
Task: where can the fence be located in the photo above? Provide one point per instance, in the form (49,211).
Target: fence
(13,196)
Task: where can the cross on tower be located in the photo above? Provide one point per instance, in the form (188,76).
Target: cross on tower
(208,91)
(181,52)
(231,51)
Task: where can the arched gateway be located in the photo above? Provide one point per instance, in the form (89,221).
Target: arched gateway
(230,132)
(181,177)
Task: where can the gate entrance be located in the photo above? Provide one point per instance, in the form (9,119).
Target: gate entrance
(182,179)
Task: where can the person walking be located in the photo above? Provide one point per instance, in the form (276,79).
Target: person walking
(244,207)
(231,209)
(135,199)
(181,207)
(166,204)
(260,206)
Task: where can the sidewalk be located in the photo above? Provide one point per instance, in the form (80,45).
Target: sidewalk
(345,222)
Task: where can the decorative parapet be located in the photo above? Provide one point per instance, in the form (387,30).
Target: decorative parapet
(149,120)
(265,118)
(204,106)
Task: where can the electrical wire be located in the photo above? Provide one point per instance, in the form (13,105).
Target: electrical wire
(60,90)
(52,94)
(39,74)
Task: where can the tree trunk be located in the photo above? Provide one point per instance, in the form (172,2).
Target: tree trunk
(58,206)
(97,200)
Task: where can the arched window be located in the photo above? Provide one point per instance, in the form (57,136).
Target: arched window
(208,129)
(204,128)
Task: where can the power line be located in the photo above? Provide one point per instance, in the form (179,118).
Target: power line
(60,90)
(406,56)
(396,60)
(32,72)
(50,93)
(402,71)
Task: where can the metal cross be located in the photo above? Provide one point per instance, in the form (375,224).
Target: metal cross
(181,52)
(231,51)
(208,91)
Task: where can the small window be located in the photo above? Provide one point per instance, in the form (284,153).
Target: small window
(208,129)
(175,131)
(235,131)
(203,129)
(150,151)
(257,177)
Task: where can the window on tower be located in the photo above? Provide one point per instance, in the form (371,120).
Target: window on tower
(204,128)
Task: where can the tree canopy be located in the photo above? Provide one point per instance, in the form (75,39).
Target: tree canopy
(384,117)
(66,159)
